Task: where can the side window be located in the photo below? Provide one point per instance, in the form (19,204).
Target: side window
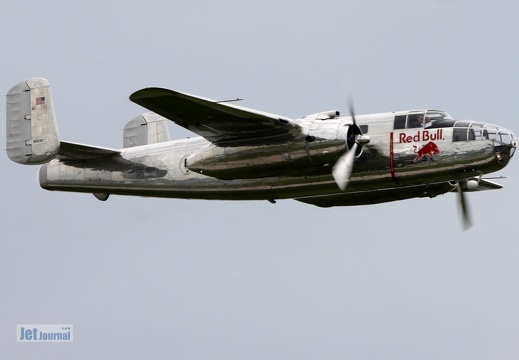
(460,134)
(414,121)
(463,131)
(472,135)
(400,122)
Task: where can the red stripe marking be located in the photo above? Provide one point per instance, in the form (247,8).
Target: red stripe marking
(391,158)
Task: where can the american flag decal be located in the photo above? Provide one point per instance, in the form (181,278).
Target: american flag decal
(40,100)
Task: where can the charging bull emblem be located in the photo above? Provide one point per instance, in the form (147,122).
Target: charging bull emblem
(428,150)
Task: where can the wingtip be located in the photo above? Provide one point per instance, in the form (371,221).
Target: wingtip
(149,92)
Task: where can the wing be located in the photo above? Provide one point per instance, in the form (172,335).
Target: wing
(215,121)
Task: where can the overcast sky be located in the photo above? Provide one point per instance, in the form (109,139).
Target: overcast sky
(178,279)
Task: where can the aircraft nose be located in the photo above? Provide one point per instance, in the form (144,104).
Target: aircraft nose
(505,144)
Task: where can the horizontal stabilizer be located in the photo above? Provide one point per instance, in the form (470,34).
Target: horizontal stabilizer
(84,152)
(488,185)
(473,185)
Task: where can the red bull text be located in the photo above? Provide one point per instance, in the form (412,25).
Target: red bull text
(425,135)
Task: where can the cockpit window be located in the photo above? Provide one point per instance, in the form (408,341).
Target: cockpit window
(416,120)
(433,117)
(436,115)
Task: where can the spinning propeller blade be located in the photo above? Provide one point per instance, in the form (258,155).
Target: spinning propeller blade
(464,208)
(351,109)
(342,170)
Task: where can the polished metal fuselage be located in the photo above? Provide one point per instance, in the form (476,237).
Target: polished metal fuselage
(389,167)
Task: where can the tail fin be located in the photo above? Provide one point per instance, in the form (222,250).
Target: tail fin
(145,129)
(32,133)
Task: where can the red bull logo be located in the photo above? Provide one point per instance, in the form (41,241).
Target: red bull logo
(428,150)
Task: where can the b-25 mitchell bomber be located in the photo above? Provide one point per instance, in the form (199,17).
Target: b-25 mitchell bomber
(322,159)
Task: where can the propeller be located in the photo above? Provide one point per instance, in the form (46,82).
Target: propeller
(342,170)
(464,208)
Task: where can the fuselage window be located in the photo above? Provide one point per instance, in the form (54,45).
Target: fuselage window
(472,135)
(400,122)
(460,135)
(463,134)
(466,131)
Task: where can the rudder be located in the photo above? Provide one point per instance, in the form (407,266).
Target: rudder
(32,135)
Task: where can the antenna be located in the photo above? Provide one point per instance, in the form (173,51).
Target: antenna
(232,100)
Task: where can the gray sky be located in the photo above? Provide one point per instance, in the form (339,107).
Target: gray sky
(179,279)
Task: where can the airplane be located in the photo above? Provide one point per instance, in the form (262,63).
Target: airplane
(323,159)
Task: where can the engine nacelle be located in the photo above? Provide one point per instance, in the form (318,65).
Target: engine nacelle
(315,152)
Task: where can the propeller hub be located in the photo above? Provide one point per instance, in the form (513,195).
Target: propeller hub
(362,139)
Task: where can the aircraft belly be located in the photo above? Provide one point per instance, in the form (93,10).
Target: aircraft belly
(378,196)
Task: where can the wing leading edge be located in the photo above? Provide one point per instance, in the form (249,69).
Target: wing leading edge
(217,122)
